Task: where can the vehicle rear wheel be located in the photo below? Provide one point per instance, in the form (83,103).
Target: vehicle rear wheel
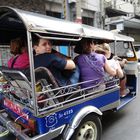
(90,128)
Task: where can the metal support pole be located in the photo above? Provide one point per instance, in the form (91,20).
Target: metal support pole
(78,12)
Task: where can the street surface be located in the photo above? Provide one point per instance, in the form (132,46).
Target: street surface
(125,123)
(121,125)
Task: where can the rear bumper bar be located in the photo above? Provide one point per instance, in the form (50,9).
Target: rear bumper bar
(11,126)
(21,135)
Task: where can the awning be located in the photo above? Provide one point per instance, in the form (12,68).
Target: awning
(130,22)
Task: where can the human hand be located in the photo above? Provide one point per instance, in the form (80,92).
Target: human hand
(117,58)
(124,61)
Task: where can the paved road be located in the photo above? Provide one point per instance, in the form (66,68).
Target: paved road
(123,124)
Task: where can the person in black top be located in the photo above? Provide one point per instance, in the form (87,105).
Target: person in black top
(44,57)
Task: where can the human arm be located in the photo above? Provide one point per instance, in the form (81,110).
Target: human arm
(119,70)
(109,69)
(62,63)
(123,62)
(70,64)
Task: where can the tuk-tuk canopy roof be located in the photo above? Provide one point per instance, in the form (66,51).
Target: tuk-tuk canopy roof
(35,22)
(14,22)
(120,37)
(92,32)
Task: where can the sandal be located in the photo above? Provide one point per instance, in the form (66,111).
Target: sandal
(124,93)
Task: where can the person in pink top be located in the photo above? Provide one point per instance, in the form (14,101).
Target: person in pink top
(20,58)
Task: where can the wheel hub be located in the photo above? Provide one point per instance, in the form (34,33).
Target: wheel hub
(88,132)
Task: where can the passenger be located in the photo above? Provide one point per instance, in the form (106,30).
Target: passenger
(123,90)
(20,58)
(92,65)
(57,65)
(112,62)
(116,64)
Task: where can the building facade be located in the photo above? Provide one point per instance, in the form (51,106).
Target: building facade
(85,11)
(120,15)
(123,16)
(29,5)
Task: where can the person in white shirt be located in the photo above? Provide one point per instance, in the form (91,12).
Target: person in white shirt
(117,65)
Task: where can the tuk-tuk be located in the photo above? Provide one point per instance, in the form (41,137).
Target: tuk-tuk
(71,112)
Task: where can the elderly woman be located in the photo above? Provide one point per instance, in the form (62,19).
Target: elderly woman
(92,65)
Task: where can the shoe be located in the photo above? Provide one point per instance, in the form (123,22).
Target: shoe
(124,92)
(3,131)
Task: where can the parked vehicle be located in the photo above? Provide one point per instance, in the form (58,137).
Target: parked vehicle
(72,112)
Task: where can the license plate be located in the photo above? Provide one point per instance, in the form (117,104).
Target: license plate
(16,108)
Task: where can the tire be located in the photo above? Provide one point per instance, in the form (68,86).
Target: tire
(90,128)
